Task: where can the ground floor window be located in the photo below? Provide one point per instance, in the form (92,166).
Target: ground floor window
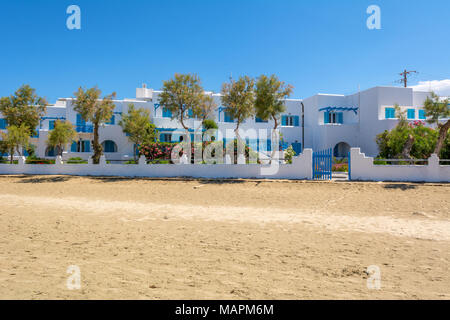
(81,146)
(165,137)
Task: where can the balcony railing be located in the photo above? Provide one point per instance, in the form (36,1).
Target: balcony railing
(85,129)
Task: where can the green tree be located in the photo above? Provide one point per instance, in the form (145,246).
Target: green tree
(181,95)
(61,135)
(137,125)
(209,124)
(204,110)
(269,104)
(407,140)
(24,107)
(238,98)
(16,139)
(270,93)
(98,111)
(435,110)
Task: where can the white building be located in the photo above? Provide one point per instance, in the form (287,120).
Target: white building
(330,121)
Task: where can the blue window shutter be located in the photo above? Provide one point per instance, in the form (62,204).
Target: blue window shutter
(326,117)
(411,114)
(389,113)
(87,146)
(51,124)
(3,124)
(112,120)
(340,118)
(80,120)
(296,121)
(73,147)
(283,120)
(422,115)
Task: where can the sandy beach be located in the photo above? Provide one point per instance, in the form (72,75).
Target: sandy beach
(198,239)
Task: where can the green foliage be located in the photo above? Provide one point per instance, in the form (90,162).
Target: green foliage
(445,152)
(15,139)
(270,93)
(205,108)
(61,135)
(137,125)
(76,160)
(289,153)
(98,111)
(391,143)
(436,109)
(238,98)
(210,124)
(35,160)
(25,107)
(181,94)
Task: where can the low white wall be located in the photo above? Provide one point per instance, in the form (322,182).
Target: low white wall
(301,168)
(363,169)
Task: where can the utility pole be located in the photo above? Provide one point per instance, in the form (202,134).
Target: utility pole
(405,74)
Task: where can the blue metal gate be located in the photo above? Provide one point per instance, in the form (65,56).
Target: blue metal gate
(323,164)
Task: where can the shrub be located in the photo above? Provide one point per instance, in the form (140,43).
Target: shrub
(36,160)
(289,154)
(391,143)
(76,160)
(340,167)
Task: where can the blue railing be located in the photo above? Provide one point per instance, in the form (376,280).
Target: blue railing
(85,128)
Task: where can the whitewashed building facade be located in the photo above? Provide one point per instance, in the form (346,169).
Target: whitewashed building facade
(330,121)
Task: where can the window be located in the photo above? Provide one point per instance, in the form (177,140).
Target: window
(259,120)
(112,121)
(290,121)
(51,125)
(167,113)
(422,115)
(80,120)
(411,114)
(333,117)
(228,117)
(165,137)
(3,124)
(81,146)
(389,113)
(109,146)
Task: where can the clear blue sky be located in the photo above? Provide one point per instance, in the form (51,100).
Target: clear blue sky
(317,46)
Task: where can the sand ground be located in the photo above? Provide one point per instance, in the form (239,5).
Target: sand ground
(177,239)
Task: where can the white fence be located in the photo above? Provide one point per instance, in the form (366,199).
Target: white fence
(301,168)
(362,168)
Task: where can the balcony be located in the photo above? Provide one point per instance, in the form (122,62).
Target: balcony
(85,128)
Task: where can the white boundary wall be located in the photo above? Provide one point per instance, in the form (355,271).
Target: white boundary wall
(301,168)
(363,169)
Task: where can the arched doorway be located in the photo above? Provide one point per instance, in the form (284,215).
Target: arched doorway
(341,150)
(109,146)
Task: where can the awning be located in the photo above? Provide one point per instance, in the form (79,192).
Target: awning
(328,109)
